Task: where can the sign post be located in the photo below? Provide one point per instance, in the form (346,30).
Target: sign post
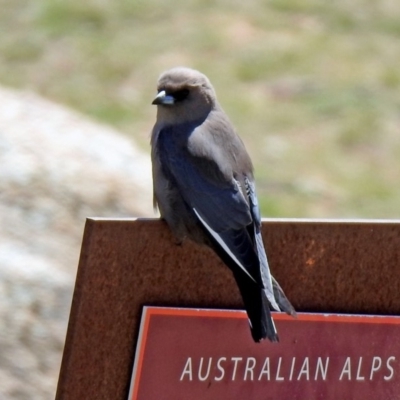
(323,266)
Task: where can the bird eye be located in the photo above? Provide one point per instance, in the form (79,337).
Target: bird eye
(180,95)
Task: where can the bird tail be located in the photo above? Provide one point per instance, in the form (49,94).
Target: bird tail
(258,310)
(257,299)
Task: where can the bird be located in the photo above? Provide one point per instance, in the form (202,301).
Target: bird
(204,188)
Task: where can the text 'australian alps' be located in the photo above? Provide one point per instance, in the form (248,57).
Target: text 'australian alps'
(278,369)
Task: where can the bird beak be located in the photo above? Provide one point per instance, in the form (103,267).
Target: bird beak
(163,98)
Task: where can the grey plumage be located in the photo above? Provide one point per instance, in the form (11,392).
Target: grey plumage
(204,188)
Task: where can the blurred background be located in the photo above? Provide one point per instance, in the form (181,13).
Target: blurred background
(312,87)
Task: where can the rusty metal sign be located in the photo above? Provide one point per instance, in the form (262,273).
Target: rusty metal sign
(324,266)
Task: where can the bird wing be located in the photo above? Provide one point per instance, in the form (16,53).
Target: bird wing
(202,179)
(214,195)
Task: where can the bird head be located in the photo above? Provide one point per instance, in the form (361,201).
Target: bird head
(184,95)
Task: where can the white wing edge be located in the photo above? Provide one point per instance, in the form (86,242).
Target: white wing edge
(222,243)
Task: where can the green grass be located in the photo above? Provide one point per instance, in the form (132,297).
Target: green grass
(312,87)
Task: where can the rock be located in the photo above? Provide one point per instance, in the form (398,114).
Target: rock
(57,168)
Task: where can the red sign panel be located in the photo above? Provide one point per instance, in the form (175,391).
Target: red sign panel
(209,354)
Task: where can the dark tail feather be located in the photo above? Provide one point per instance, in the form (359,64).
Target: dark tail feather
(257,307)
(254,297)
